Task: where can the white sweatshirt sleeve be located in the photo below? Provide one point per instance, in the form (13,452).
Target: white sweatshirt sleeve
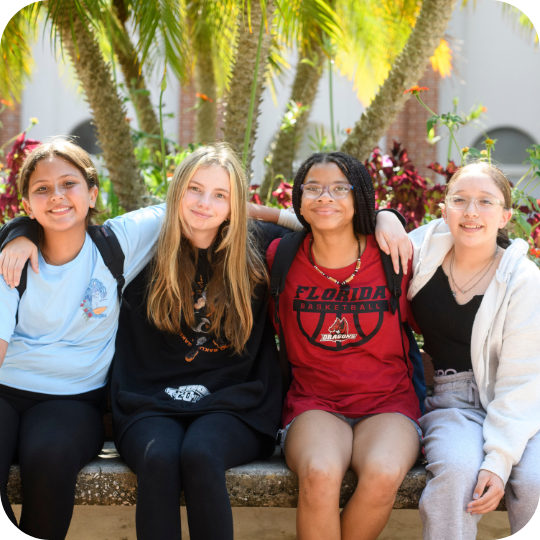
(513,415)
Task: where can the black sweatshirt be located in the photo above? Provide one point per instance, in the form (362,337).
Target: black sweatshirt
(155,373)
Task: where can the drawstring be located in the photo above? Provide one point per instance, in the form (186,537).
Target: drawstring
(474,394)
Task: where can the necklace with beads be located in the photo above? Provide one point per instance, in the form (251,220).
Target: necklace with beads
(343,285)
(464,291)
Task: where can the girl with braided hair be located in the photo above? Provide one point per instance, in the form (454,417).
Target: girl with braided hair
(351,403)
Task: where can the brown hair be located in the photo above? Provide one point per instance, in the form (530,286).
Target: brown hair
(236,263)
(499,179)
(64,149)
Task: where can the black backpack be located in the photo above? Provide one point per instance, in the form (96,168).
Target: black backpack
(110,250)
(283,259)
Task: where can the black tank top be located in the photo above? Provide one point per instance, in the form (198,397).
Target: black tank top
(445,324)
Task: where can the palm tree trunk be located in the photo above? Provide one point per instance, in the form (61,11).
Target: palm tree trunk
(108,111)
(205,83)
(406,72)
(237,108)
(134,79)
(285,144)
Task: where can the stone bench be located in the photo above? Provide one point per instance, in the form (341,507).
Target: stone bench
(108,481)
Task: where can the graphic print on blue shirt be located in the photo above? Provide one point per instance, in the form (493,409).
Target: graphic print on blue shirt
(94,295)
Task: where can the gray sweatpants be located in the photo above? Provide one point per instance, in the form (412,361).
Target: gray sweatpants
(454,449)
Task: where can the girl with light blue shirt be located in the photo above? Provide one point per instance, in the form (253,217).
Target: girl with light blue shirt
(57,340)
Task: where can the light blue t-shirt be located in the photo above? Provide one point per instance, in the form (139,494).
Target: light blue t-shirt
(68,316)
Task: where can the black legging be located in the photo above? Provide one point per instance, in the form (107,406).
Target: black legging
(56,436)
(170,454)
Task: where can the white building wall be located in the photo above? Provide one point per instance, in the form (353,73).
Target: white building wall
(498,67)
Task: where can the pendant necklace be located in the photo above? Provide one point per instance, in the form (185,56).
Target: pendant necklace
(343,285)
(462,290)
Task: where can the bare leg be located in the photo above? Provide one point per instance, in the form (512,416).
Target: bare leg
(385,447)
(318,449)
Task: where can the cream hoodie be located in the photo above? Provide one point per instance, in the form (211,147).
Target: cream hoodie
(505,344)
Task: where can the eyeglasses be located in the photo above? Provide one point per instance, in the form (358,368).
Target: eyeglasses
(336,191)
(485,204)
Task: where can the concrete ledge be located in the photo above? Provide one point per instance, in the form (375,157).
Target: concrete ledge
(107,481)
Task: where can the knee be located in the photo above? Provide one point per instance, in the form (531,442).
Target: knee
(201,462)
(320,483)
(455,472)
(381,481)
(158,462)
(48,458)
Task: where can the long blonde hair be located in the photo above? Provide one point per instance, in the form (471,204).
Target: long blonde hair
(237,264)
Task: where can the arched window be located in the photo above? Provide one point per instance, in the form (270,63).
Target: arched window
(510,146)
(510,150)
(86,137)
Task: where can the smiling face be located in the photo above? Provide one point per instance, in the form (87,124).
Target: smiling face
(206,202)
(326,213)
(470,227)
(58,195)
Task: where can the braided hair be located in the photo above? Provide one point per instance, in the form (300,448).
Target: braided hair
(358,176)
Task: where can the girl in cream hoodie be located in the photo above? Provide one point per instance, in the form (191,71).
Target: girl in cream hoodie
(476,299)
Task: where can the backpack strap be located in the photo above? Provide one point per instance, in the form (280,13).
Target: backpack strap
(112,254)
(283,259)
(21,287)
(393,282)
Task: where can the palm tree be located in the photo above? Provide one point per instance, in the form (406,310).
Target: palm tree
(254,40)
(81,26)
(371,34)
(78,40)
(133,74)
(212,36)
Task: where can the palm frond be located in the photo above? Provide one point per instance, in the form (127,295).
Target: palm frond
(163,35)
(375,33)
(16,52)
(215,22)
(60,11)
(300,22)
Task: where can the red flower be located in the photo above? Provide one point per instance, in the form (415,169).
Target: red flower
(90,314)
(9,200)
(82,304)
(204,97)
(348,130)
(255,198)
(415,90)
(283,194)
(450,170)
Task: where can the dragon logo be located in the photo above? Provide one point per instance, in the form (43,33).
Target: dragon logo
(339,331)
(95,294)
